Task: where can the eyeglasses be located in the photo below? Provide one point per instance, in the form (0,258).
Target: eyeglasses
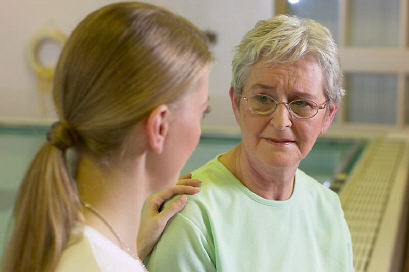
(301,109)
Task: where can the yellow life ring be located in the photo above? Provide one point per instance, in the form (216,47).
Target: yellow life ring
(43,73)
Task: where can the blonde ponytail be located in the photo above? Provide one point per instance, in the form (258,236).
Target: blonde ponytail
(45,211)
(118,64)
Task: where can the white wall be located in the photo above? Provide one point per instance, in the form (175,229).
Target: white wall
(20,20)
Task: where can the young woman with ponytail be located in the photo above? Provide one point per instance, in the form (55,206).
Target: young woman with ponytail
(130,88)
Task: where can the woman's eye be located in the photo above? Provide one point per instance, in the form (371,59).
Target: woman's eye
(263,99)
(299,103)
(302,104)
(206,111)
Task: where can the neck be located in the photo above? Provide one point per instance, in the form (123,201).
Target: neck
(269,182)
(117,195)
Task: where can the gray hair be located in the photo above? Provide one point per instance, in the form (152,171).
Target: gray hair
(284,39)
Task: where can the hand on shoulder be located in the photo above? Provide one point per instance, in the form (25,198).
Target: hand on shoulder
(154,218)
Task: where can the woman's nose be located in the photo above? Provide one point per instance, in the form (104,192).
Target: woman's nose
(281,117)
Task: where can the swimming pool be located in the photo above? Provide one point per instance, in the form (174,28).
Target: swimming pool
(329,161)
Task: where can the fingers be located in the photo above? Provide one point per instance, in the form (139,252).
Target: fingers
(175,206)
(156,200)
(189,182)
(177,189)
(186,176)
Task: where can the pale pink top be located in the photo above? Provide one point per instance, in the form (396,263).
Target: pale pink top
(89,250)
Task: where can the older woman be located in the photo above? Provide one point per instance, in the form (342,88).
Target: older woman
(256,210)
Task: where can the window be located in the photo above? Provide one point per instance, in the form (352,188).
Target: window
(374,51)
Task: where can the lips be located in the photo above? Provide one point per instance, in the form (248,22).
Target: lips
(280,141)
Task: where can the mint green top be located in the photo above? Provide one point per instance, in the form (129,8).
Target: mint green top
(226,227)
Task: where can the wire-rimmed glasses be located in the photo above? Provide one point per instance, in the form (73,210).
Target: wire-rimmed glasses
(264,105)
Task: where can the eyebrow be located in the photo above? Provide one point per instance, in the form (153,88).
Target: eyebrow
(262,86)
(293,93)
(304,95)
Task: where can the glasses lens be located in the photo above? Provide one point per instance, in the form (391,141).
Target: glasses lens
(303,108)
(261,103)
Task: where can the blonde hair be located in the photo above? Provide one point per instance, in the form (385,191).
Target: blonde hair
(119,64)
(287,39)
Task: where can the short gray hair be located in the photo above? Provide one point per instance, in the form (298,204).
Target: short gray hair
(284,39)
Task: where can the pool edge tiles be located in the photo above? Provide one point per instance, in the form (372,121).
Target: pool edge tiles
(373,216)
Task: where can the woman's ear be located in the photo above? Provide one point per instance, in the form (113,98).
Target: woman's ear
(329,116)
(234,97)
(157,127)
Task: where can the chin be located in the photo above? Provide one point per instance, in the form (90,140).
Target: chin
(283,164)
(281,161)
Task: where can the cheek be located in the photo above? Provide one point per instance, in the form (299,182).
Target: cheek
(195,138)
(192,135)
(253,127)
(307,134)
(246,129)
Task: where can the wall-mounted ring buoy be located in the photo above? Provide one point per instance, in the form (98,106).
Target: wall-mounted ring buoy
(43,73)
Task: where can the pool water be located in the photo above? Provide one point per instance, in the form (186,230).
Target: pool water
(328,158)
